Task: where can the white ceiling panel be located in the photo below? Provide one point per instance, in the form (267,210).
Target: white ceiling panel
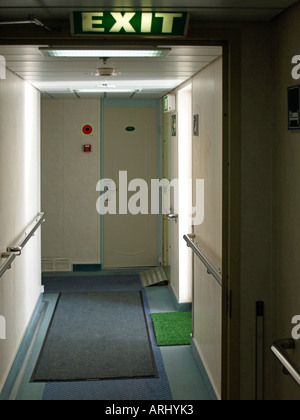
(54,95)
(81,67)
(153,76)
(37,77)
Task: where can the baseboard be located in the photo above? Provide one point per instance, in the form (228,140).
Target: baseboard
(102,272)
(87,267)
(181,307)
(33,325)
(204,374)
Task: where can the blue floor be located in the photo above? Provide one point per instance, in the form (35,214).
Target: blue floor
(179,375)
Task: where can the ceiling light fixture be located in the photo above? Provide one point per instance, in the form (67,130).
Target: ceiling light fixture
(105,90)
(106,72)
(100,53)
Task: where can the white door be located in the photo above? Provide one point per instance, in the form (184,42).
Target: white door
(181,203)
(185,192)
(130,147)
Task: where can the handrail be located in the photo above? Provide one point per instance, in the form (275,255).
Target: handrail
(210,269)
(15,251)
(279,349)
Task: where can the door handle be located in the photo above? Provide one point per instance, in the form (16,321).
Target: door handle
(172,217)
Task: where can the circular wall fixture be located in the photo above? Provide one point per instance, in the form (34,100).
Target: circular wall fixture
(87,129)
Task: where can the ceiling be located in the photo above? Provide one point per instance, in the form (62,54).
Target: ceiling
(151,77)
(200,9)
(143,78)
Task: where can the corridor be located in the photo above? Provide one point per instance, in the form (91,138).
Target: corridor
(149,138)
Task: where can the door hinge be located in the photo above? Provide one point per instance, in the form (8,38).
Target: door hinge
(229,303)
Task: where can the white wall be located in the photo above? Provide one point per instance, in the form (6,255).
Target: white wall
(208,165)
(19,205)
(185,191)
(69,179)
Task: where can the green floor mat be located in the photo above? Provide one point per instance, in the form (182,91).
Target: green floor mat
(173,328)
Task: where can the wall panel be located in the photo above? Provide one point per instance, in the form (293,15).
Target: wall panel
(69,179)
(19,205)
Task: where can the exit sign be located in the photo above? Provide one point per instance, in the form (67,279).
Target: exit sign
(130,23)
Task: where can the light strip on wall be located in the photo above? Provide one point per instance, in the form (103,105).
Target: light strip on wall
(100,53)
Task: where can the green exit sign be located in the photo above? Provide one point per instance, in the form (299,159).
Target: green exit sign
(130,23)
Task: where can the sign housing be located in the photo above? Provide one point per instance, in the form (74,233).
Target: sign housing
(138,23)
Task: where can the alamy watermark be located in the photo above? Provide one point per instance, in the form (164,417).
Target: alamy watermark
(2,67)
(296,329)
(296,68)
(2,328)
(152,199)
(296,76)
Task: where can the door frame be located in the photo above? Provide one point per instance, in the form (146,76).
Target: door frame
(229,38)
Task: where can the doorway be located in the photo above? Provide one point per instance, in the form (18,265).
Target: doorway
(185,191)
(230,196)
(196,150)
(129,161)
(180,218)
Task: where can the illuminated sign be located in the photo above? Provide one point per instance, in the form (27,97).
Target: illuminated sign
(130,23)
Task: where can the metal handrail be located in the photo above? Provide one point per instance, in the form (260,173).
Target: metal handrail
(279,349)
(210,269)
(14,251)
